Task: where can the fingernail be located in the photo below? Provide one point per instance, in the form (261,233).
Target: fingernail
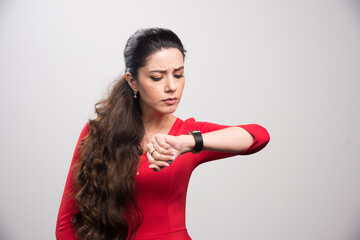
(166,165)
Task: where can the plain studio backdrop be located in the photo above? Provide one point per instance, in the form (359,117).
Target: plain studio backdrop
(291,66)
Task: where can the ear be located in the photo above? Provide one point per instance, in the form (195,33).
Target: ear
(131,81)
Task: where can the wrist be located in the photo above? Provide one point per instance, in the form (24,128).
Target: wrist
(188,143)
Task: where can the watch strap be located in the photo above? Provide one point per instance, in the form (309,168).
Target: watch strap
(198,141)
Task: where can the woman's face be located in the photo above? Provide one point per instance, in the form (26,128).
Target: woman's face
(161,81)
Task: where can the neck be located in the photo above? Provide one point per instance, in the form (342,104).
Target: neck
(152,121)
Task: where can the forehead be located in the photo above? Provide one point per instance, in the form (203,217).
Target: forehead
(165,59)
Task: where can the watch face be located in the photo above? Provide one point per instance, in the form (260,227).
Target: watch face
(194,131)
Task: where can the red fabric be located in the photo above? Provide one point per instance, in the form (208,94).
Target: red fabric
(161,196)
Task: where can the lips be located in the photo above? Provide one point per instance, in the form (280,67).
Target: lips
(174,98)
(170,101)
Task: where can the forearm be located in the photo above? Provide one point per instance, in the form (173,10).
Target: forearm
(231,139)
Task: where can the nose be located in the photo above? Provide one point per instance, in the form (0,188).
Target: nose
(170,84)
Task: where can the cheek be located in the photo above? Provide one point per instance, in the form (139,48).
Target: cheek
(150,93)
(181,86)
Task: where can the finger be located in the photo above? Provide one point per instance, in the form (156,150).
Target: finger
(168,161)
(160,149)
(154,167)
(152,160)
(151,149)
(158,155)
(161,157)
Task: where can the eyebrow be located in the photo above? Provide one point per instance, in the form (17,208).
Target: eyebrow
(164,71)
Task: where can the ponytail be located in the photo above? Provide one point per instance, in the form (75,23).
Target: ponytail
(108,160)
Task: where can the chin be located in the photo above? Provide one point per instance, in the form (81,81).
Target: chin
(169,110)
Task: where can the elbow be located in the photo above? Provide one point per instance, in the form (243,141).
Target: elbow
(57,233)
(64,231)
(261,138)
(64,234)
(265,136)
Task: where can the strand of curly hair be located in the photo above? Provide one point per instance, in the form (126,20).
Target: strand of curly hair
(105,172)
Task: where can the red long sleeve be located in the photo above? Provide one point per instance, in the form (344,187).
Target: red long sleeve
(260,134)
(64,227)
(161,196)
(261,138)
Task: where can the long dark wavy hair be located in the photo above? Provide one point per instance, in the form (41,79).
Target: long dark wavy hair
(109,154)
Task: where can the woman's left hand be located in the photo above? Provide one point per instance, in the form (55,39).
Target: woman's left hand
(164,149)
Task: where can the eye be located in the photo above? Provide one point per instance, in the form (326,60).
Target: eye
(156,78)
(178,76)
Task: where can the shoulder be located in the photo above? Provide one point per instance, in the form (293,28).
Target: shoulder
(85,130)
(188,122)
(191,124)
(182,126)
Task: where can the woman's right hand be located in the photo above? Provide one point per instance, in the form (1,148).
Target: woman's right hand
(164,149)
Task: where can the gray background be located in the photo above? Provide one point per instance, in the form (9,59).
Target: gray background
(291,66)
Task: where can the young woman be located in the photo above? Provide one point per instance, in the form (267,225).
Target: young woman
(132,163)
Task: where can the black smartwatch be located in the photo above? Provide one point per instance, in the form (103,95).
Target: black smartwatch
(198,141)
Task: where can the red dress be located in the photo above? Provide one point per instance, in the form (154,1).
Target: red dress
(161,195)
